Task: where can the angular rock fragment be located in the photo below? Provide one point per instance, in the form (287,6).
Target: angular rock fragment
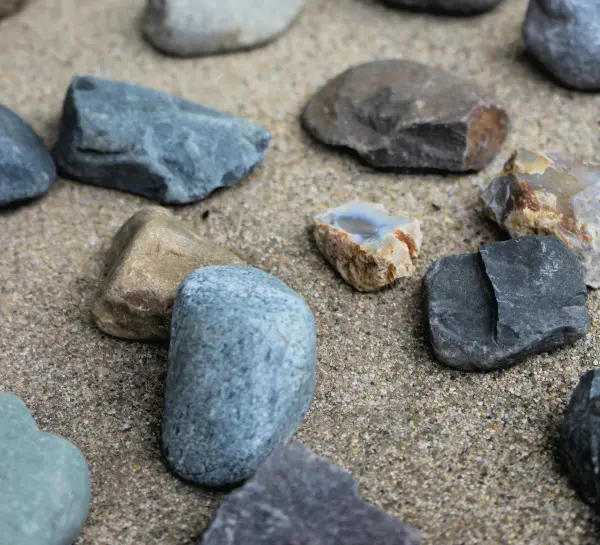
(241,373)
(44,481)
(124,136)
(402,114)
(369,248)
(550,194)
(459,7)
(197,27)
(8,7)
(490,310)
(150,257)
(580,439)
(297,497)
(564,35)
(27,169)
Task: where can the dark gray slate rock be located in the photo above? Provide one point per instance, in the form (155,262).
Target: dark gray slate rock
(459,7)
(27,169)
(492,309)
(564,35)
(44,481)
(299,498)
(241,373)
(124,136)
(403,114)
(580,439)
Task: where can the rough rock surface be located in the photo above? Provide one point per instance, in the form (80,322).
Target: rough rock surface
(7,7)
(200,27)
(550,194)
(27,169)
(461,7)
(580,439)
(150,257)
(369,248)
(297,497)
(241,373)
(492,309)
(124,136)
(403,114)
(564,35)
(44,481)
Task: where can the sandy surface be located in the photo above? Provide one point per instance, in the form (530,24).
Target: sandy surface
(466,458)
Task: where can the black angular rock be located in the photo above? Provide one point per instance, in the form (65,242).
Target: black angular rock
(580,438)
(298,498)
(27,169)
(490,310)
(458,7)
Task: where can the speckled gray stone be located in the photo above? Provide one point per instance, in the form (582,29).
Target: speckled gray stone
(492,309)
(564,35)
(459,7)
(298,498)
(44,481)
(241,373)
(27,169)
(124,136)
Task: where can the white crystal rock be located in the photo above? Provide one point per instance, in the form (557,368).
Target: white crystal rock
(369,248)
(550,194)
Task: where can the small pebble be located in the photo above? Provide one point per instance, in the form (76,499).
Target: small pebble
(459,7)
(241,373)
(8,7)
(298,498)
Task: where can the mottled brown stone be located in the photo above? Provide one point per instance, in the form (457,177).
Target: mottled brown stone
(7,7)
(150,256)
(402,114)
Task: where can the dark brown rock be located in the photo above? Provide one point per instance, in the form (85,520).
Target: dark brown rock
(402,114)
(7,7)
(455,7)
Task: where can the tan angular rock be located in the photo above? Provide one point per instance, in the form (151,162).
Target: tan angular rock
(151,255)
(369,248)
(8,7)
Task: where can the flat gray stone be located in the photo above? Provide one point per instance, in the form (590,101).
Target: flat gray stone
(459,7)
(44,481)
(241,373)
(564,35)
(297,497)
(124,136)
(27,169)
(492,309)
(202,27)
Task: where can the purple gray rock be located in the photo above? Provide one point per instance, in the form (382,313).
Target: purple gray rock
(564,35)
(124,136)
(459,7)
(298,498)
(492,309)
(27,169)
(580,438)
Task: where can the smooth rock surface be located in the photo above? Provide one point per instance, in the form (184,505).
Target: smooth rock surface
(492,309)
(369,248)
(460,7)
(201,27)
(564,35)
(44,481)
(124,136)
(241,373)
(580,439)
(550,194)
(297,497)
(27,169)
(8,7)
(150,257)
(403,114)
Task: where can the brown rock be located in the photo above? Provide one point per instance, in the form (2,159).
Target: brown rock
(9,6)
(150,256)
(402,114)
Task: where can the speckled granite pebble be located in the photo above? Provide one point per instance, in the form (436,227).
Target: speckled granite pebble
(241,373)
(44,481)
(460,7)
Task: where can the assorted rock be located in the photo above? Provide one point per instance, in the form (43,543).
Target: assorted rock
(461,7)
(44,481)
(550,194)
(369,248)
(124,136)
(491,309)
(297,497)
(197,27)
(8,7)
(580,439)
(241,373)
(150,257)
(27,169)
(402,114)
(564,35)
